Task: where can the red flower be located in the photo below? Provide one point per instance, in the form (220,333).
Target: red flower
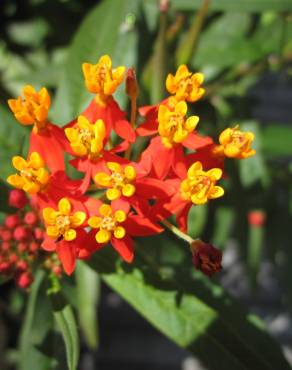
(115,224)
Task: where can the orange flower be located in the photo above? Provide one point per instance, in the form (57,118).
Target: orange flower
(185,85)
(101,78)
(235,143)
(33,109)
(32,177)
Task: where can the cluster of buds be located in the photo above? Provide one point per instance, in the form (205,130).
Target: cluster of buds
(21,236)
(118,197)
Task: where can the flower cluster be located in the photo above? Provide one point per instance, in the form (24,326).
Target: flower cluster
(119,198)
(21,236)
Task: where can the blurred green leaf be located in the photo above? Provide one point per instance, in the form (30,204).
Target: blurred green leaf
(233,5)
(66,322)
(195,313)
(28,33)
(254,253)
(98,35)
(253,169)
(36,352)
(224,217)
(12,136)
(276,140)
(88,292)
(196,220)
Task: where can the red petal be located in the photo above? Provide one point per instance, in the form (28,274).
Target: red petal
(147,128)
(179,164)
(194,141)
(67,254)
(120,204)
(48,146)
(150,188)
(124,247)
(141,226)
(182,217)
(125,130)
(48,245)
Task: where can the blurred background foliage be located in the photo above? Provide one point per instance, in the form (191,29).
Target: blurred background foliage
(244,49)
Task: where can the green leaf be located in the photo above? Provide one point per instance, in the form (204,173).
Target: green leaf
(194,312)
(223,221)
(88,292)
(39,347)
(276,140)
(232,5)
(66,322)
(253,169)
(108,29)
(254,252)
(12,136)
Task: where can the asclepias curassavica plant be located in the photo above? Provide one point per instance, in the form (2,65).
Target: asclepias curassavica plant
(117,193)
(103,205)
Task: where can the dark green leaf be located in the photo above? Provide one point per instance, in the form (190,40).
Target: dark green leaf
(194,312)
(233,5)
(253,169)
(12,136)
(276,140)
(98,34)
(66,322)
(88,291)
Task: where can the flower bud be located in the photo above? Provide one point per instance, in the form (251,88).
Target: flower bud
(6,235)
(24,279)
(5,246)
(33,247)
(206,257)
(256,218)
(131,83)
(17,198)
(22,247)
(11,221)
(20,233)
(22,265)
(38,233)
(30,218)
(5,267)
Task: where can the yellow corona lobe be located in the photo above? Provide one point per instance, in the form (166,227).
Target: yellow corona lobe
(119,181)
(101,78)
(200,185)
(185,85)
(108,224)
(33,108)
(86,138)
(32,176)
(236,144)
(61,223)
(173,126)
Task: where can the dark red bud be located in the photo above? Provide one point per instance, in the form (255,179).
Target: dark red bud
(206,257)
(5,267)
(33,247)
(5,246)
(131,83)
(22,247)
(39,233)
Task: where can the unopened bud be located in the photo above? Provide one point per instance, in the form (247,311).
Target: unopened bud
(206,257)
(11,221)
(24,279)
(30,218)
(256,218)
(131,83)
(17,198)
(20,233)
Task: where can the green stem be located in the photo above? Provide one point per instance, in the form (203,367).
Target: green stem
(177,232)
